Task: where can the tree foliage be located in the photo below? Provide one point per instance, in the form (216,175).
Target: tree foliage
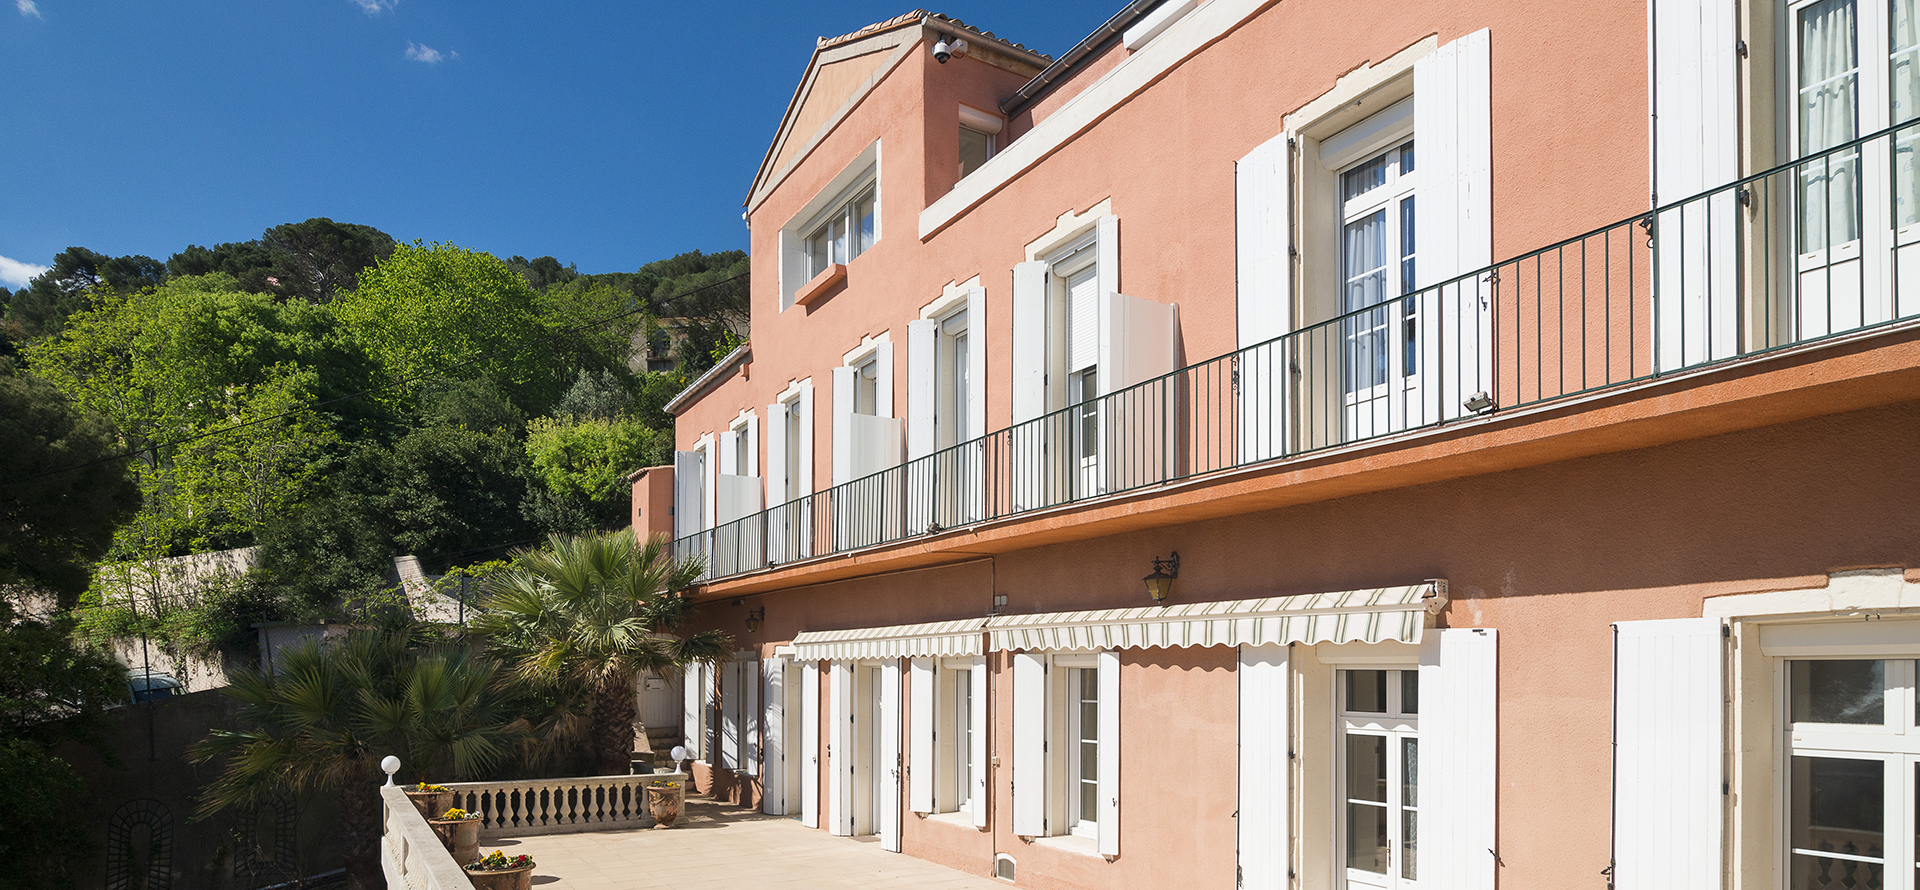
(71,283)
(62,490)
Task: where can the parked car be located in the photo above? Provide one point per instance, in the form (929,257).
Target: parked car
(145,686)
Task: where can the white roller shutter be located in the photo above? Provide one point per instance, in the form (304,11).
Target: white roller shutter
(922,348)
(840,755)
(1083,322)
(921,762)
(1452,106)
(979,722)
(750,743)
(1459,683)
(888,819)
(1668,740)
(773,739)
(810,744)
(1265,829)
(1029,341)
(842,424)
(1109,767)
(1029,744)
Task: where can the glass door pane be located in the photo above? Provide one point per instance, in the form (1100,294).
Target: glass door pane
(1366,285)
(1836,823)
(1828,115)
(1366,792)
(1409,812)
(1903,63)
(1837,691)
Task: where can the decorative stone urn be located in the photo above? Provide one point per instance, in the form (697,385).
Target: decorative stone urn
(461,835)
(665,800)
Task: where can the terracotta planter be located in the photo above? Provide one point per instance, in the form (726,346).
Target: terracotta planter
(462,837)
(431,803)
(511,879)
(665,805)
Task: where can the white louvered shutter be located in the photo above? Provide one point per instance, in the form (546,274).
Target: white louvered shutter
(1453,221)
(1029,341)
(750,744)
(1029,744)
(1264,825)
(922,347)
(810,744)
(840,759)
(1459,682)
(921,762)
(888,818)
(1109,766)
(842,424)
(1668,740)
(773,738)
(978,702)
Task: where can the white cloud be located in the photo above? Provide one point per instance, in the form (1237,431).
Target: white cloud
(16,274)
(375,7)
(420,52)
(28,9)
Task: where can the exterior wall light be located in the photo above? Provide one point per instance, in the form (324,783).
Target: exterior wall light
(1160,583)
(755,618)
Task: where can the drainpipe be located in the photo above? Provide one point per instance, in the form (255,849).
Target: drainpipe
(1121,20)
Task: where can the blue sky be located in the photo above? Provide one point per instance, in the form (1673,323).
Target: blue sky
(604,134)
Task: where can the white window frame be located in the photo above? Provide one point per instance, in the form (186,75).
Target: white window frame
(985,124)
(858,176)
(1395,725)
(953,766)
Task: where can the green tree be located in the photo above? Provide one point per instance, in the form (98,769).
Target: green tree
(63,489)
(319,259)
(594,611)
(322,722)
(582,467)
(73,282)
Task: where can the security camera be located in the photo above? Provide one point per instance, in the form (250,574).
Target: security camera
(942,51)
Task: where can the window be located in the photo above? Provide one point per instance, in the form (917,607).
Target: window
(960,711)
(866,388)
(1379,774)
(1381,346)
(952,415)
(975,148)
(1852,731)
(1083,755)
(841,222)
(1065,749)
(796,435)
(846,231)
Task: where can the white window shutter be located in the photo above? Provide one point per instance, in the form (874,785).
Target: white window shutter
(1136,340)
(729,454)
(690,717)
(1107,254)
(920,716)
(1695,148)
(842,424)
(804,485)
(710,715)
(1263,241)
(779,487)
(1109,777)
(773,738)
(1085,338)
(1668,740)
(1459,681)
(922,346)
(1265,826)
(753,447)
(840,750)
(980,696)
(1453,218)
(888,818)
(883,383)
(728,755)
(750,743)
(1029,340)
(810,744)
(687,473)
(1029,744)
(976,394)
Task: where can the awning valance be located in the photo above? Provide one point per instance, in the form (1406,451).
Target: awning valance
(940,638)
(1351,616)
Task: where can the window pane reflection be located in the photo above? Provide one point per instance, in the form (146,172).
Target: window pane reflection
(1836,823)
(1838,691)
(1367,691)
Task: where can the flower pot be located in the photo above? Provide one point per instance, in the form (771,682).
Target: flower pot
(510,879)
(664,803)
(430,803)
(462,837)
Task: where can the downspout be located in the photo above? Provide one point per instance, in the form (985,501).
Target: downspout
(1025,96)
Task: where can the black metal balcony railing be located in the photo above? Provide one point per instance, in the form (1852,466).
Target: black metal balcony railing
(1777,259)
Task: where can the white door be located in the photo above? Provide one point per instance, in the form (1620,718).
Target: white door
(1379,769)
(1380,373)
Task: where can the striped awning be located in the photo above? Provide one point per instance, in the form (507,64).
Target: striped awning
(1351,616)
(900,641)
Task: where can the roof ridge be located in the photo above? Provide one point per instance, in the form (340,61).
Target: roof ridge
(915,16)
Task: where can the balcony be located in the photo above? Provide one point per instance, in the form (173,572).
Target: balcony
(1821,251)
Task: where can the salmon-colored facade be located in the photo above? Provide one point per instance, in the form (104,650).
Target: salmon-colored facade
(1603,512)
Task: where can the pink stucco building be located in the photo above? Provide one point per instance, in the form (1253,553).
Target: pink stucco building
(1530,393)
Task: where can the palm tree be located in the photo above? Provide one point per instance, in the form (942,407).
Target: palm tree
(596,610)
(323,721)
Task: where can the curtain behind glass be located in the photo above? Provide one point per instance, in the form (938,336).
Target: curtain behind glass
(1829,74)
(1903,55)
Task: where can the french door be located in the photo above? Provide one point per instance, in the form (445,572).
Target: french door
(1380,373)
(1379,823)
(1852,776)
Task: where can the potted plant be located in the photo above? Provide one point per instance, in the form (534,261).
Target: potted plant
(430,799)
(500,872)
(664,800)
(460,831)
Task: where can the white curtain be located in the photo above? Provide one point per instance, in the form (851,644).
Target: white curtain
(1904,107)
(1366,261)
(1829,115)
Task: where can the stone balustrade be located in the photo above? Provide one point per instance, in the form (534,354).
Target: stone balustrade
(559,806)
(411,855)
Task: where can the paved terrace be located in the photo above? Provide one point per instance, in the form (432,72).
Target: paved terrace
(718,846)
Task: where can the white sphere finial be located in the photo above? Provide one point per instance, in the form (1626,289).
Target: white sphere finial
(390,764)
(678,754)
